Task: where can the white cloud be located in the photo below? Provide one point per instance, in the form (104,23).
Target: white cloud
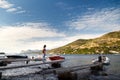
(105,20)
(13,38)
(90,8)
(4,4)
(22,11)
(11,10)
(17,38)
(9,7)
(83,36)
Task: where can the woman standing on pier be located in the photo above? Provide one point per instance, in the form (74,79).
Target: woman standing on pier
(44,52)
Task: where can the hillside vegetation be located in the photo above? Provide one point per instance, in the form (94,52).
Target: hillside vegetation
(108,43)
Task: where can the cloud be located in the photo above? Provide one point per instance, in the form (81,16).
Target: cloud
(11,10)
(64,6)
(13,38)
(4,4)
(20,37)
(9,7)
(105,20)
(90,8)
(83,36)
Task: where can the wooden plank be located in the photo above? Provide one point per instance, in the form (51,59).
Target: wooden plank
(75,68)
(27,65)
(15,60)
(75,73)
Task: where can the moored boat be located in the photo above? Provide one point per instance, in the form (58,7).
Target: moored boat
(56,57)
(17,56)
(105,60)
(2,58)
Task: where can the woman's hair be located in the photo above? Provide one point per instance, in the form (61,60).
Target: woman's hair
(44,46)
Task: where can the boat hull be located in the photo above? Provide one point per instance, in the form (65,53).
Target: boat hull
(56,58)
(16,56)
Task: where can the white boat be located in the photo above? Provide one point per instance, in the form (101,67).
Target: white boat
(105,60)
(2,58)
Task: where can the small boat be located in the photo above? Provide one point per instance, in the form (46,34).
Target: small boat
(2,55)
(16,56)
(56,57)
(105,60)
(2,58)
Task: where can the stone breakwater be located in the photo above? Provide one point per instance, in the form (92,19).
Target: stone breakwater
(68,73)
(65,73)
(35,76)
(40,76)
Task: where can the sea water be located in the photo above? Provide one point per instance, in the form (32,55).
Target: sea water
(112,70)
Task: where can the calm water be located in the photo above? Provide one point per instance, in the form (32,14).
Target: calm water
(113,70)
(73,60)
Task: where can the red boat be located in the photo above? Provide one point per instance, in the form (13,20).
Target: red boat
(56,58)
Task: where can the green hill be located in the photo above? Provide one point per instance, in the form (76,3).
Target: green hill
(108,43)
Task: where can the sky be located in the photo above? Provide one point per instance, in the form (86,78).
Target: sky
(29,24)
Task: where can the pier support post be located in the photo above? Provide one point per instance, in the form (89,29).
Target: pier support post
(75,75)
(56,65)
(3,63)
(0,75)
(81,74)
(95,69)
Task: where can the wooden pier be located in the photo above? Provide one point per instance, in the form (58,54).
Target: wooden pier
(55,63)
(81,72)
(63,73)
(27,65)
(78,72)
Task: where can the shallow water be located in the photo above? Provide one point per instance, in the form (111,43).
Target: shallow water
(31,73)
